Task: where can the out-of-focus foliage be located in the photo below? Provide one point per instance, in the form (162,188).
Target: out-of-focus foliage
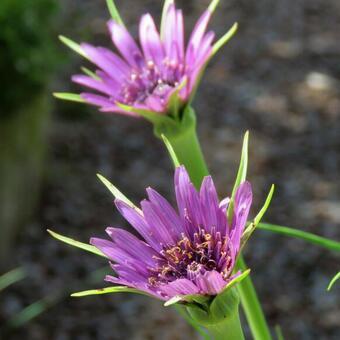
(27,50)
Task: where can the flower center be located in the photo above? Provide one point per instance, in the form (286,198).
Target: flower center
(190,258)
(151,80)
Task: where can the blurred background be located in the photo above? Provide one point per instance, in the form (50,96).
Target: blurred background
(279,77)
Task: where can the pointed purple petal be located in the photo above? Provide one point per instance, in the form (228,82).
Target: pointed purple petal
(99,56)
(224,204)
(96,99)
(93,84)
(125,44)
(150,40)
(180,33)
(120,256)
(155,103)
(109,249)
(132,245)
(209,204)
(158,224)
(122,68)
(210,283)
(130,273)
(179,287)
(197,36)
(204,50)
(187,200)
(242,203)
(166,212)
(174,34)
(142,286)
(139,223)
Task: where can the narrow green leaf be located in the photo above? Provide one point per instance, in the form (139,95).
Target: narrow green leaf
(116,193)
(225,38)
(303,235)
(114,12)
(74,97)
(260,214)
(237,280)
(75,243)
(89,73)
(278,332)
(242,170)
(213,5)
(241,174)
(252,226)
(11,277)
(32,311)
(171,151)
(73,46)
(167,4)
(175,101)
(108,290)
(335,278)
(155,118)
(35,309)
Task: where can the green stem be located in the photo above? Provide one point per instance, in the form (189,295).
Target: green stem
(188,151)
(251,305)
(230,329)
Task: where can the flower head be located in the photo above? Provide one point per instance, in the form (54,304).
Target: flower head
(186,253)
(153,76)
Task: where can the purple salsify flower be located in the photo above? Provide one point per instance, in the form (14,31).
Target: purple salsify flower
(193,252)
(146,78)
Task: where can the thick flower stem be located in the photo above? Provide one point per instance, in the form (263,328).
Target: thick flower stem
(230,329)
(188,151)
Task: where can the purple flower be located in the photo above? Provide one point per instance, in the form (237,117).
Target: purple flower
(190,252)
(155,75)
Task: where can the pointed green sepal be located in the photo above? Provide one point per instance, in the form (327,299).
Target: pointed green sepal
(334,279)
(213,5)
(237,280)
(76,244)
(108,290)
(90,73)
(213,309)
(171,152)
(73,97)
(263,210)
(221,319)
(241,174)
(114,12)
(73,46)
(253,225)
(116,192)
(175,102)
(156,119)
(224,39)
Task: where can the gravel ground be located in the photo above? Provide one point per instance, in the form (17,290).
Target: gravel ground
(279,78)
